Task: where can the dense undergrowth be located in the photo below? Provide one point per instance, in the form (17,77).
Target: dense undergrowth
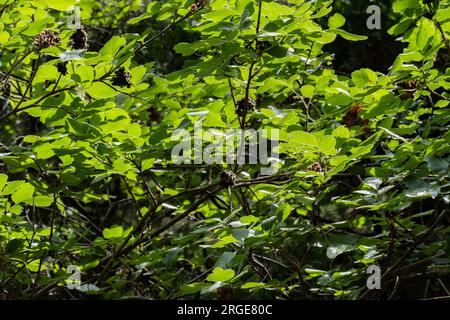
(89,190)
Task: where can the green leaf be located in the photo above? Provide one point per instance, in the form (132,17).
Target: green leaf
(44,151)
(268,34)
(43,201)
(312,273)
(348,36)
(3,180)
(283,212)
(341,132)
(443,14)
(423,193)
(33,266)
(364,77)
(185,49)
(137,73)
(400,27)
(12,186)
(250,285)
(140,18)
(147,164)
(14,245)
(112,46)
(302,138)
(335,250)
(100,90)
(46,72)
(221,275)
(193,287)
(61,5)
(327,145)
(424,34)
(214,119)
(248,219)
(24,193)
(437,164)
(121,166)
(4,37)
(403,5)
(75,126)
(113,233)
(153,7)
(308,91)
(336,21)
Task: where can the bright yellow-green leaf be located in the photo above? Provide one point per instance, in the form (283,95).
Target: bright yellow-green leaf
(302,138)
(24,193)
(99,90)
(336,21)
(3,179)
(113,232)
(221,275)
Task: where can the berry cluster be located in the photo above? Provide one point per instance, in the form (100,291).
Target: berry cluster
(122,78)
(244,106)
(316,167)
(6,89)
(46,39)
(79,39)
(228,178)
(62,67)
(154,113)
(352,117)
(197,4)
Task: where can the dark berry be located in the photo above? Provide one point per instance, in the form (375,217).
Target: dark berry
(62,67)
(79,39)
(243,107)
(122,78)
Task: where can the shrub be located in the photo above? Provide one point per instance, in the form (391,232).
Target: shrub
(92,203)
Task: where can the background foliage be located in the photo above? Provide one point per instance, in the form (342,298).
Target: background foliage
(86,178)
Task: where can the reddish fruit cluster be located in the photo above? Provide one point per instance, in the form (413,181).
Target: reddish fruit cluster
(197,4)
(316,167)
(46,39)
(352,117)
(154,113)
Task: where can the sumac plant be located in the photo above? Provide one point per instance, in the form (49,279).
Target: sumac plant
(94,98)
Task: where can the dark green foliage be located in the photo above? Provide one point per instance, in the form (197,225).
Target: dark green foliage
(89,117)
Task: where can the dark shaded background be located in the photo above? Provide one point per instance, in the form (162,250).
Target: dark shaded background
(378,52)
